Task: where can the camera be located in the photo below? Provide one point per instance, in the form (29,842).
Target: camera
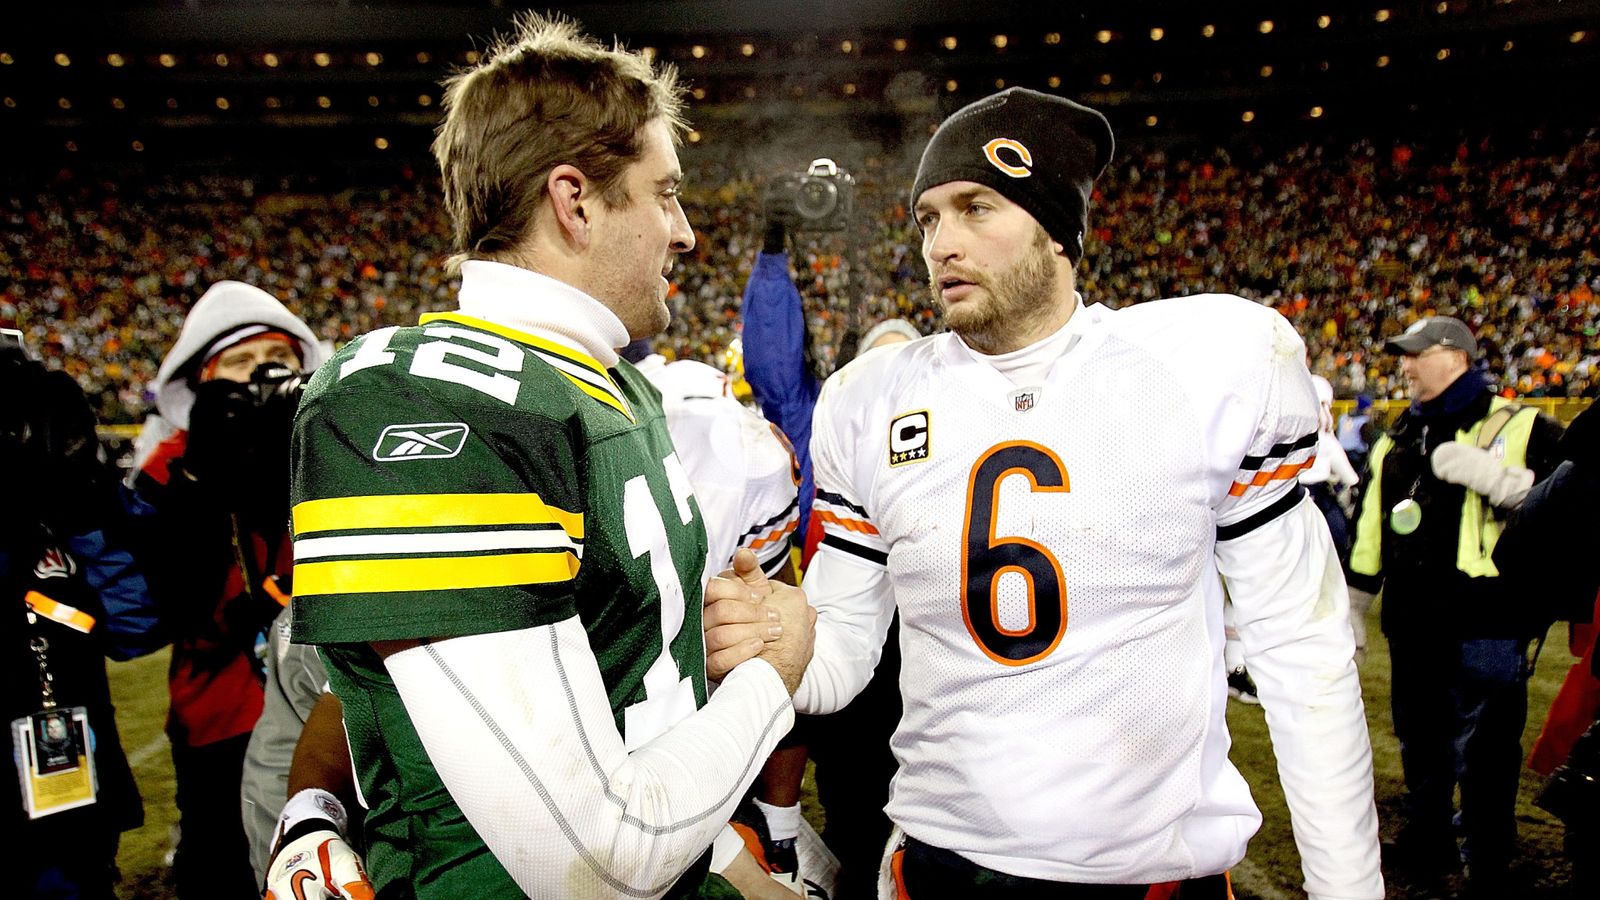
(822,198)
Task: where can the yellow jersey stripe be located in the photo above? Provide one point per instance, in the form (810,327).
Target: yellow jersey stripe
(608,392)
(522,337)
(604,397)
(431,511)
(379,576)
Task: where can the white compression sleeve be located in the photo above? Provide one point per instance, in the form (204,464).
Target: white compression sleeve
(1291,609)
(855,604)
(520,729)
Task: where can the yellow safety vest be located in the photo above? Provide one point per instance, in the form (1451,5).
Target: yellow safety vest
(1479,530)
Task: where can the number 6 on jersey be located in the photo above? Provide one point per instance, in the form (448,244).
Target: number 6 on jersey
(985,558)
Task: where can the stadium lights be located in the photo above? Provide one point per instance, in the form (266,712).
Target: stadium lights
(1157,34)
(1000,41)
(1324,21)
(949,43)
(1103,36)
(1265,26)
(321,59)
(381,143)
(271,60)
(167,60)
(63,60)
(115,60)
(374,59)
(1248,116)
(1208,31)
(1381,15)
(1316,112)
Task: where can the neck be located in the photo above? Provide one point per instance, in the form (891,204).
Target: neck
(1050,320)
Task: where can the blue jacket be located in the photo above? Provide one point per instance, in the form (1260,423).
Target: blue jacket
(775,361)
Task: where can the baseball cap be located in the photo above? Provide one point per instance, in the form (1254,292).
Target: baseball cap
(1438,331)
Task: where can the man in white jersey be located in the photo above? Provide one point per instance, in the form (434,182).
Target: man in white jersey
(1054,495)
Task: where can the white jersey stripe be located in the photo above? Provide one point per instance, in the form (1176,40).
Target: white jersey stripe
(450,542)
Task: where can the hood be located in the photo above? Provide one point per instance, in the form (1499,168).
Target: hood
(225,306)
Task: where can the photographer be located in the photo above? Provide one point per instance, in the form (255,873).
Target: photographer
(220,557)
(71,597)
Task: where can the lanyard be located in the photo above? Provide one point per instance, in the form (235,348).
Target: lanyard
(47,691)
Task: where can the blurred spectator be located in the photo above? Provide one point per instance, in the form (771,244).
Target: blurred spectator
(71,598)
(219,553)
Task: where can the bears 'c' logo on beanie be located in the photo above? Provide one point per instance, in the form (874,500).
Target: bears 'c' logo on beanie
(992,151)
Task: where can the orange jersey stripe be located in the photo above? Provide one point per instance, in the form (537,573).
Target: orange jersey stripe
(1281,473)
(842,522)
(777,534)
(55,610)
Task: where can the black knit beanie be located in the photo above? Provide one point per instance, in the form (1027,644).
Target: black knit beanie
(1041,152)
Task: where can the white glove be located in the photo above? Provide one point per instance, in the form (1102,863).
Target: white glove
(311,860)
(1478,471)
(1360,605)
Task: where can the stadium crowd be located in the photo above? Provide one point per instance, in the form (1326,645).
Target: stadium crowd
(1352,242)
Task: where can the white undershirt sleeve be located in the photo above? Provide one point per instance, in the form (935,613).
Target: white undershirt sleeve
(855,604)
(520,729)
(1291,611)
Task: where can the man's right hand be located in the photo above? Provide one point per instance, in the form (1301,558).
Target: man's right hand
(791,652)
(311,860)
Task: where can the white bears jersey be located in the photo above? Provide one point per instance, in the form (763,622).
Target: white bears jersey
(1057,553)
(743,472)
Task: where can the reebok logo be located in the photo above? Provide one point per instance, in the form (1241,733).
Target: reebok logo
(425,440)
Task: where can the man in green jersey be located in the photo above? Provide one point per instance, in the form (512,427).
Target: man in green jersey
(496,546)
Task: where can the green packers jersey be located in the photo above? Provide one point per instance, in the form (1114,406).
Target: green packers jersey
(462,478)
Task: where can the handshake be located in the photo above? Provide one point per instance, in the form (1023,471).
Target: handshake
(747,616)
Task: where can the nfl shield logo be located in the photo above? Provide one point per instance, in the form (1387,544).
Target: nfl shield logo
(1022,401)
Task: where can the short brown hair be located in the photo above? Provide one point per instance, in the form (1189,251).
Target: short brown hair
(545,96)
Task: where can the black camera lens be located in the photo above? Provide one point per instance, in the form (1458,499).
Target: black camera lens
(816,198)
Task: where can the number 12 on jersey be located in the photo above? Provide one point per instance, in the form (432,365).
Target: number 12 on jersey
(985,558)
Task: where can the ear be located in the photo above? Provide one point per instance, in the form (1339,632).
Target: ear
(569,200)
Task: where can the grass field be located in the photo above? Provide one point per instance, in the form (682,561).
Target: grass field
(1270,871)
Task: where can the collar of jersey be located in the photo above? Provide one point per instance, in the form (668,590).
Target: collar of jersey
(498,302)
(1067,337)
(536,304)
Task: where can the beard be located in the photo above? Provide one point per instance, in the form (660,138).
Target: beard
(1011,302)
